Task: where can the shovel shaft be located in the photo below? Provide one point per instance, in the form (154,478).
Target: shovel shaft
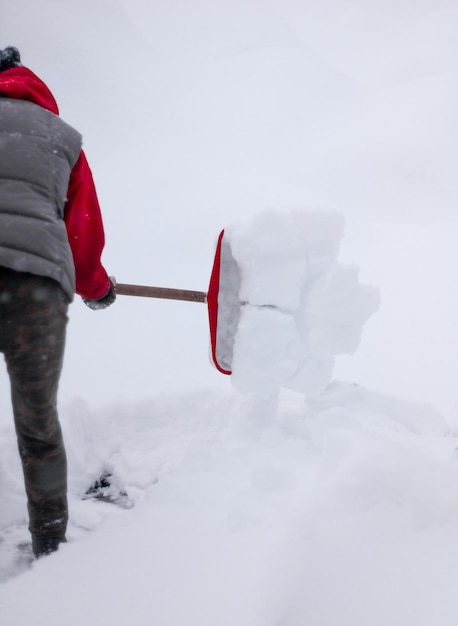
(143,291)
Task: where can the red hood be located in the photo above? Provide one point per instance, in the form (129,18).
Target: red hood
(22,84)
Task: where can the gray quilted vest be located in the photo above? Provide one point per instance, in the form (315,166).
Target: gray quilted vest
(37,153)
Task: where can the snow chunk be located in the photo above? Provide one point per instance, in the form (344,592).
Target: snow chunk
(299,306)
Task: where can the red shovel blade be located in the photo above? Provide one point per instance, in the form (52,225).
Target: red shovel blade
(222,300)
(223,305)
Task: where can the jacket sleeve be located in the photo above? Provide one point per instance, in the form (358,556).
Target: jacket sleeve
(83,220)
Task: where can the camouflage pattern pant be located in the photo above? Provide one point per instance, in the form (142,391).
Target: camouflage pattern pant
(33,319)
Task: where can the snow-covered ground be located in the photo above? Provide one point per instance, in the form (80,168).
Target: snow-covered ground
(334,508)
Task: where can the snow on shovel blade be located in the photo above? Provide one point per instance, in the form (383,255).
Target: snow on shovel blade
(223,305)
(222,300)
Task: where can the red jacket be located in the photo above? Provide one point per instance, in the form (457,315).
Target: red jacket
(82,216)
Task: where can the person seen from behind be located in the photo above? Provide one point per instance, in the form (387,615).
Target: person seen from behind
(51,241)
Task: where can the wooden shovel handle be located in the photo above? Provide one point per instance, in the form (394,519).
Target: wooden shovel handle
(160,292)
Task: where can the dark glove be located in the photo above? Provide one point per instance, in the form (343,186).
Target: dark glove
(102,303)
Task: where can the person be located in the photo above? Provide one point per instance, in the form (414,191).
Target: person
(51,241)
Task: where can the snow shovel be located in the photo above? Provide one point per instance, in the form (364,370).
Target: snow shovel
(222,302)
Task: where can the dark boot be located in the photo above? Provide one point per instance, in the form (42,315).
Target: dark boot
(42,546)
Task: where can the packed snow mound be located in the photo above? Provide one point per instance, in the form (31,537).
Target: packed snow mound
(300,307)
(247,519)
